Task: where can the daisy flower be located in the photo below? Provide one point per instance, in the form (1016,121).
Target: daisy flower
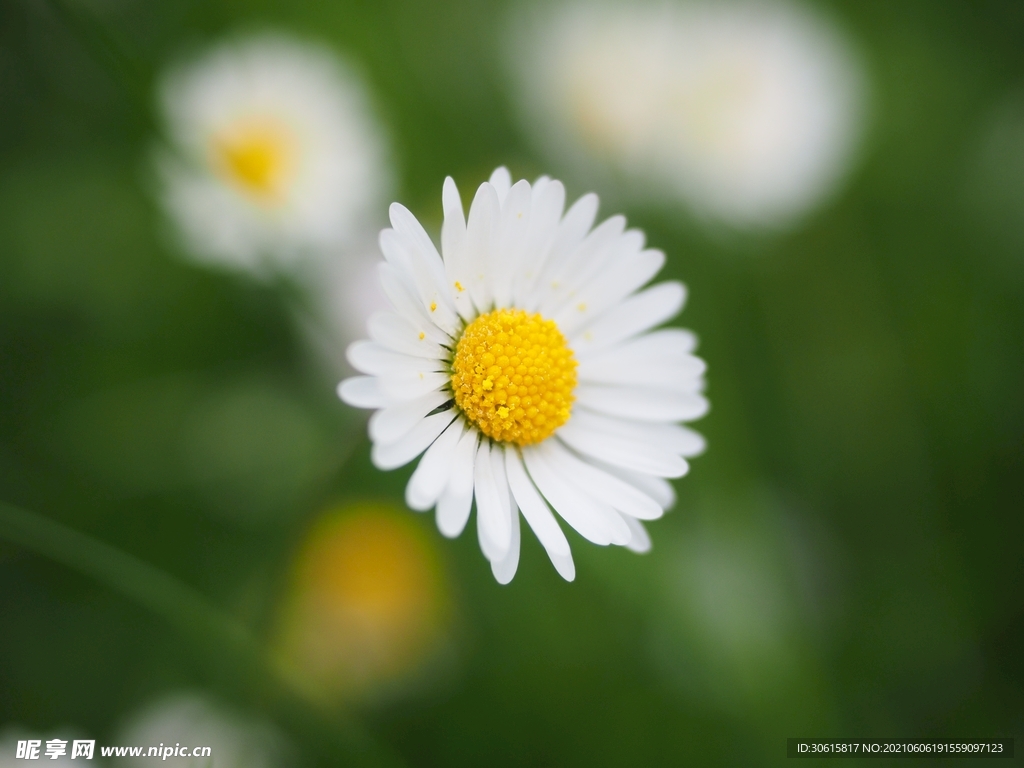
(747,113)
(275,152)
(524,365)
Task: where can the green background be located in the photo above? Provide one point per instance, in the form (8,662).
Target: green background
(844,561)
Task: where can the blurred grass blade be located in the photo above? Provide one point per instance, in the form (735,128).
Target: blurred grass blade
(209,630)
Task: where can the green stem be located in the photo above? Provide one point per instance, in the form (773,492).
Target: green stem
(203,625)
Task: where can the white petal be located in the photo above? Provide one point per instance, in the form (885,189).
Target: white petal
(538,515)
(501,480)
(483,216)
(405,302)
(364,392)
(453,230)
(641,403)
(408,447)
(493,524)
(453,511)
(510,242)
(561,278)
(410,229)
(635,315)
(501,180)
(598,249)
(390,424)
(375,359)
(407,385)
(622,252)
(641,541)
(400,376)
(635,456)
(576,224)
(670,344)
(608,288)
(505,569)
(394,332)
(570,233)
(657,488)
(668,437)
(455,248)
(454,506)
(488,547)
(564,565)
(590,518)
(406,255)
(546,212)
(602,486)
(687,373)
(691,443)
(431,476)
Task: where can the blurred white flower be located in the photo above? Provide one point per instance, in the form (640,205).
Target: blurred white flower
(276,153)
(747,112)
(527,366)
(190,720)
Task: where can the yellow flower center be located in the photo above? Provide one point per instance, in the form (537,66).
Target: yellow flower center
(257,156)
(513,376)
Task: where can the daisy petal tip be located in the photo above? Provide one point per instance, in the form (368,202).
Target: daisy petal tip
(395,213)
(362,392)
(621,540)
(640,542)
(639,549)
(501,177)
(345,394)
(680,468)
(503,574)
(453,511)
(380,462)
(678,291)
(354,352)
(415,502)
(564,565)
(449,531)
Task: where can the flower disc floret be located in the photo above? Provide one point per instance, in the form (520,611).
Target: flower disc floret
(513,376)
(257,158)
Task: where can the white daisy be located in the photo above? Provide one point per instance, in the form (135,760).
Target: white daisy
(524,363)
(747,112)
(190,720)
(275,152)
